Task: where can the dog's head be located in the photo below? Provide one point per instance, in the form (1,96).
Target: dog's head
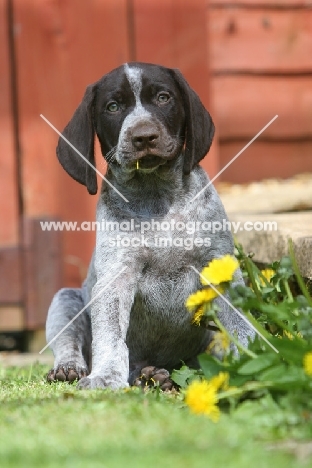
(144,116)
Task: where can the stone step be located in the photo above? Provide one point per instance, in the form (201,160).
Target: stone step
(268,196)
(270,245)
(272,200)
(8,359)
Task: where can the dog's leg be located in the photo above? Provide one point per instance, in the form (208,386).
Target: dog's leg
(71,347)
(110,315)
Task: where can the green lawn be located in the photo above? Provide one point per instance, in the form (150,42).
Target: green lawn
(44,425)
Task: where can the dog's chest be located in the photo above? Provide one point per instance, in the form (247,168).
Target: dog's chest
(160,328)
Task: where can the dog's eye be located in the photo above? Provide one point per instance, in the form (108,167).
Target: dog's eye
(112,106)
(162,98)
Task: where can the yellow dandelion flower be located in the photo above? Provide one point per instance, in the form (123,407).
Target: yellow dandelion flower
(200,297)
(307,363)
(220,342)
(220,381)
(268,273)
(201,398)
(219,270)
(198,315)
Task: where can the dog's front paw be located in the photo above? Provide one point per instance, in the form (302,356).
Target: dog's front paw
(88,383)
(94,382)
(68,371)
(151,376)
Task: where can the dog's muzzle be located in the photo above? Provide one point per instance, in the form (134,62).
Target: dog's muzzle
(144,136)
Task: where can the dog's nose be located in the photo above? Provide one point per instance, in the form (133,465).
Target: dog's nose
(143,138)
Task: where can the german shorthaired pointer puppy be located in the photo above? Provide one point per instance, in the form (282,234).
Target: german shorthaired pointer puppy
(153,131)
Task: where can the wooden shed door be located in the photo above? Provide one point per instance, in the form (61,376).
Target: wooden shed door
(30,262)
(11,293)
(50,51)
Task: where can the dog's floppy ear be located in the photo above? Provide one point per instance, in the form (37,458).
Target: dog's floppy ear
(80,133)
(199,125)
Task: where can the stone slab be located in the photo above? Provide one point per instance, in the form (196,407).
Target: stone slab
(269,246)
(8,359)
(268,196)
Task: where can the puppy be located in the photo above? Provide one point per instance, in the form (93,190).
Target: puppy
(153,131)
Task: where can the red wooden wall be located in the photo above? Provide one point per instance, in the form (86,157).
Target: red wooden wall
(50,50)
(11,312)
(261,60)
(175,34)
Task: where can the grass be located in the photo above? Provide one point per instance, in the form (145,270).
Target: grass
(44,425)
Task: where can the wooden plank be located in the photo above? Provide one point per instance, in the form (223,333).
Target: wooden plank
(91,50)
(11,290)
(264,160)
(11,318)
(245,104)
(43,264)
(8,188)
(260,41)
(273,4)
(77,245)
(10,259)
(173,33)
(89,38)
(61,48)
(9,228)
